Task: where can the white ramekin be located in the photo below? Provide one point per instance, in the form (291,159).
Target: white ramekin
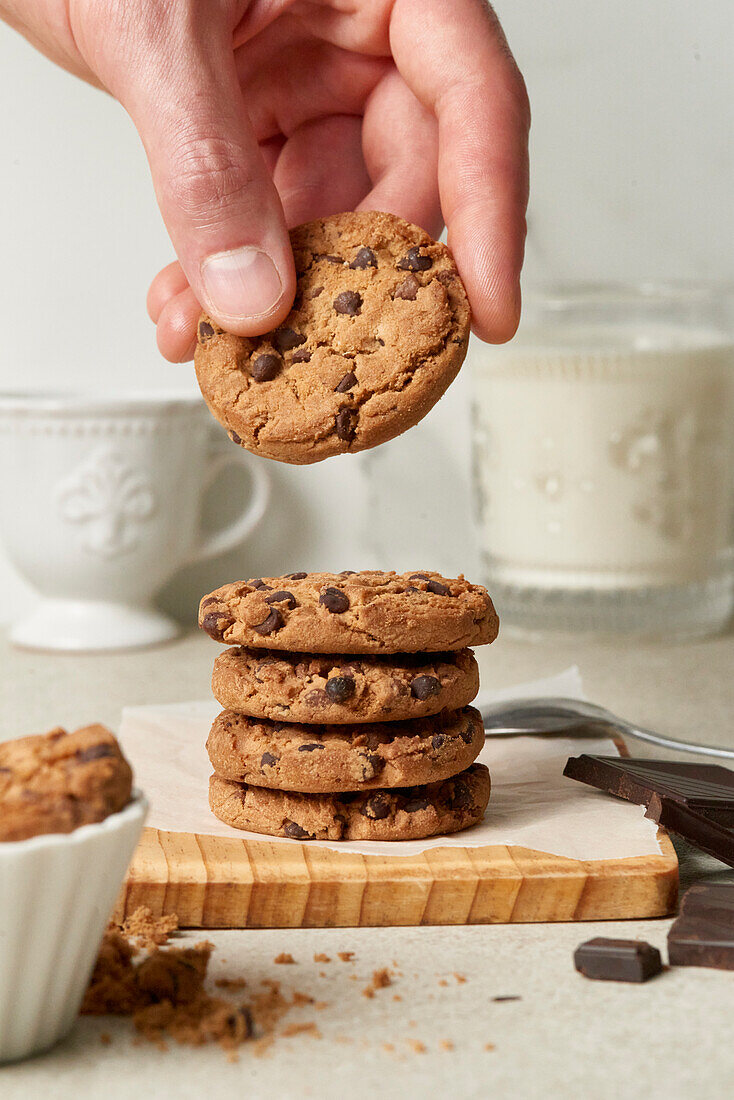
(56,895)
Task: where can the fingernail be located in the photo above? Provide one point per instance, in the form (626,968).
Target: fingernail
(241,283)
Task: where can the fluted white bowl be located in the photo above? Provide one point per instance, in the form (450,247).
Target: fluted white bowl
(56,895)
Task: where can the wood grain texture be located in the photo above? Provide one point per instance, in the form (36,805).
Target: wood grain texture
(212,882)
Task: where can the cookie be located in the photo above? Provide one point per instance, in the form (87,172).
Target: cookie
(377,332)
(300,687)
(55,782)
(367,612)
(319,759)
(409,813)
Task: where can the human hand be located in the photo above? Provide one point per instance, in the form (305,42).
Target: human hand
(258,115)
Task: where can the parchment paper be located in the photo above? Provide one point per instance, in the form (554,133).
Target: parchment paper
(531,805)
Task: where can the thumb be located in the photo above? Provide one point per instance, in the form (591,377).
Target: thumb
(218,201)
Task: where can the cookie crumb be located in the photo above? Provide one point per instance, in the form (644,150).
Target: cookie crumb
(446,1044)
(302,999)
(230,983)
(489,1046)
(389,1047)
(380,980)
(284,959)
(460,978)
(105,1038)
(396,997)
(346,956)
(442,981)
(417,1046)
(301,1029)
(147,930)
(321,958)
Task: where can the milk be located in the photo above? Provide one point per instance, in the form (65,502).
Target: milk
(604,458)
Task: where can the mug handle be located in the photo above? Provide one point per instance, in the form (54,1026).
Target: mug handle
(221,456)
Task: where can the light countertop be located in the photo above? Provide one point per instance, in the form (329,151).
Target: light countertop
(565,1037)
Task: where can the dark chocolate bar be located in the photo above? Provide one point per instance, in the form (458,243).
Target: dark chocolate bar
(703,934)
(696,801)
(617,960)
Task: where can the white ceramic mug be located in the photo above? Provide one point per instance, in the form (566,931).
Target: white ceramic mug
(100,505)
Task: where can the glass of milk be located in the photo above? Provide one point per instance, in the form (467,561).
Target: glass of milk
(603,462)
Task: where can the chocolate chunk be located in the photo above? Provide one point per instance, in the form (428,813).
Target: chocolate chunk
(265,367)
(438,740)
(95,752)
(694,800)
(282,597)
(334,600)
(291,829)
(506,997)
(348,573)
(438,589)
(209,601)
(302,356)
(703,933)
(205,330)
(235,438)
(349,380)
(340,688)
(377,806)
(260,584)
(316,291)
(285,339)
(419,577)
(413,805)
(297,576)
(346,424)
(371,766)
(468,735)
(364,258)
(317,698)
(424,686)
(348,302)
(617,960)
(332,259)
(267,760)
(273,622)
(215,624)
(408,289)
(460,797)
(415,260)
(310,746)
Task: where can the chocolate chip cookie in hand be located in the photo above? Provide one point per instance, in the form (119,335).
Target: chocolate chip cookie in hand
(410,813)
(55,782)
(378,331)
(365,613)
(332,688)
(319,759)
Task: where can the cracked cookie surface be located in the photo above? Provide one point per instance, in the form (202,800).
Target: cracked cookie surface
(329,688)
(377,332)
(58,781)
(320,759)
(367,612)
(410,813)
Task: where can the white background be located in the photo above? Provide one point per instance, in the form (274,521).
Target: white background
(632,175)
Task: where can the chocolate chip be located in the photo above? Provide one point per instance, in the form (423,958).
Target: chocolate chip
(340,688)
(334,600)
(260,584)
(265,367)
(95,752)
(349,380)
(349,302)
(438,740)
(332,259)
(413,805)
(234,437)
(301,356)
(438,589)
(348,573)
(285,339)
(377,806)
(205,330)
(364,258)
(267,760)
(295,831)
(346,424)
(414,260)
(273,622)
(297,576)
(423,686)
(419,577)
(311,746)
(408,288)
(215,624)
(460,795)
(282,597)
(208,601)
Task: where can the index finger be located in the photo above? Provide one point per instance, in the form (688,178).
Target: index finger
(455,58)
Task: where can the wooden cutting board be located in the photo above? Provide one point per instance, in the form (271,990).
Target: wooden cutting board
(212,882)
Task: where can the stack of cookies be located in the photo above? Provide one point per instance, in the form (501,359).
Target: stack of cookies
(345,699)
